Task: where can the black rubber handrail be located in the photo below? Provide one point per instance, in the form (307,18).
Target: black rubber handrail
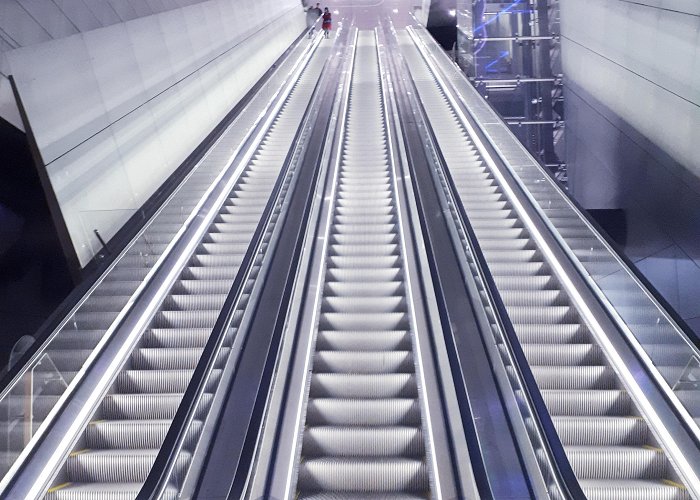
(619,252)
(553,447)
(169,450)
(96,268)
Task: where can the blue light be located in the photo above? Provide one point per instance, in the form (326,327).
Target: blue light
(504,54)
(483,25)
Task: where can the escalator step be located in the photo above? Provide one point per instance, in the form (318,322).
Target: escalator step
(596,489)
(376,340)
(363,475)
(617,462)
(363,362)
(355,441)
(367,412)
(602,431)
(587,402)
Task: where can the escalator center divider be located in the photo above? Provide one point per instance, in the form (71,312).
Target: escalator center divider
(228,460)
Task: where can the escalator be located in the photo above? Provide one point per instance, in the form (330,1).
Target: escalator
(352,413)
(67,346)
(119,445)
(363,400)
(366,424)
(114,452)
(363,432)
(85,328)
(612,449)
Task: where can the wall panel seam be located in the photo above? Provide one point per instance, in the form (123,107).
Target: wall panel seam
(697,105)
(665,9)
(155,96)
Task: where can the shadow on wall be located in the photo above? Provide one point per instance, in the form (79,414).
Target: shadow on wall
(34,276)
(442,22)
(646,201)
(613,221)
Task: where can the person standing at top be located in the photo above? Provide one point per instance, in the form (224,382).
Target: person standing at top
(326,22)
(312,14)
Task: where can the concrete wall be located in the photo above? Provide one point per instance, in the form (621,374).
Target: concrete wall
(116,109)
(633,130)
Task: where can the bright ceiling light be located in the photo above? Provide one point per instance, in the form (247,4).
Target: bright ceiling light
(453,12)
(395,11)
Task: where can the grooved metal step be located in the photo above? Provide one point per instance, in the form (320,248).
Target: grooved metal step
(363,432)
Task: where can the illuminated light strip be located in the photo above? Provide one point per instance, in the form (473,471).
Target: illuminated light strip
(636,345)
(321,277)
(57,455)
(688,471)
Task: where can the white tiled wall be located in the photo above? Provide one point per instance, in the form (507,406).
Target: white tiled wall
(115,110)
